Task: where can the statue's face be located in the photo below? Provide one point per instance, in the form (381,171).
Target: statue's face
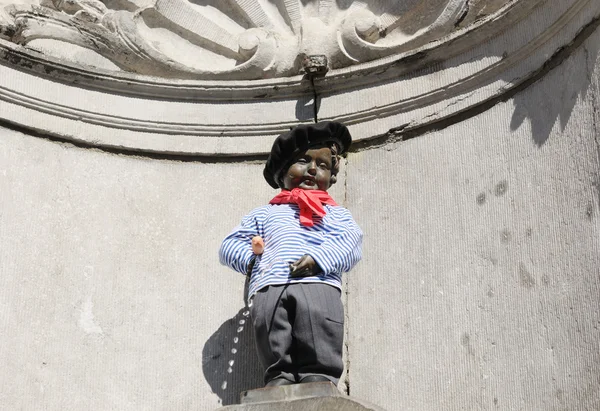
(310,171)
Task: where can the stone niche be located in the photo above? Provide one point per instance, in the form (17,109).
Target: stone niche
(224,77)
(474,174)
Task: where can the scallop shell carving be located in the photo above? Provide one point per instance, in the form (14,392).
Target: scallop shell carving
(230,39)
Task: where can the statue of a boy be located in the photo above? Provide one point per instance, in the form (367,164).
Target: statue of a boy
(309,241)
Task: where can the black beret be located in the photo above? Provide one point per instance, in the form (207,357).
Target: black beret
(299,139)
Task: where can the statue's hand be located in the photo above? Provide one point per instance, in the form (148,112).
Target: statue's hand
(305,266)
(258,245)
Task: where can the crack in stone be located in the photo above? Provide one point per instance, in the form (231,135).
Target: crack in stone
(346,296)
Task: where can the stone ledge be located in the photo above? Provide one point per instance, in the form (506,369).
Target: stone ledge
(300,397)
(381,101)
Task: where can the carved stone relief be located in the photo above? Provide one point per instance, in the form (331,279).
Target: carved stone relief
(223,77)
(232,39)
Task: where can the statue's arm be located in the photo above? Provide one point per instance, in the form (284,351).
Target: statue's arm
(342,248)
(236,250)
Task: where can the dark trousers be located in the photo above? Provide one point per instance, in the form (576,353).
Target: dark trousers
(299,331)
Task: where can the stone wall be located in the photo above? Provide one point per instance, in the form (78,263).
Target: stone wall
(480,283)
(478,289)
(112,296)
(480,279)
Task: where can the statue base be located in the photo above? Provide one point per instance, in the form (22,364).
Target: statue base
(299,397)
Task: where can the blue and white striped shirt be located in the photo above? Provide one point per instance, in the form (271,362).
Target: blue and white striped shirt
(334,242)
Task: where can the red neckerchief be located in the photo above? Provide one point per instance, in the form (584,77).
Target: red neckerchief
(309,201)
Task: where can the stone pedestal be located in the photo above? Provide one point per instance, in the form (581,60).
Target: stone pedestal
(300,397)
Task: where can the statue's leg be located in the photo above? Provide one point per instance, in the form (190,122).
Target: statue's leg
(318,332)
(273,334)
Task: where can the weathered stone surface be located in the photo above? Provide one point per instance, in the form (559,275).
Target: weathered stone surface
(299,397)
(479,286)
(410,90)
(229,39)
(480,280)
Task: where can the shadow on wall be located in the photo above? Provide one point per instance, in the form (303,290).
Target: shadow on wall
(554,98)
(229,360)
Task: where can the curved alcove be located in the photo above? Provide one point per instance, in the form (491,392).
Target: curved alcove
(388,72)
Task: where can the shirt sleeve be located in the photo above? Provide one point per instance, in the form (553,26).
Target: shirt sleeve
(236,248)
(341,250)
